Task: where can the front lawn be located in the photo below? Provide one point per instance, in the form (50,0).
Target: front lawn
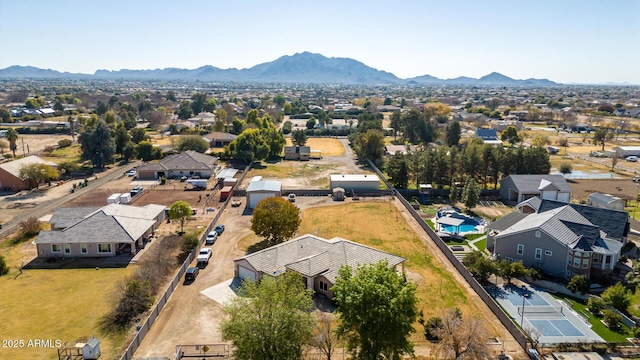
(620,335)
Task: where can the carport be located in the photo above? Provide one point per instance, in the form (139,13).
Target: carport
(450,221)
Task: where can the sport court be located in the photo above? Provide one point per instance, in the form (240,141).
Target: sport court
(537,309)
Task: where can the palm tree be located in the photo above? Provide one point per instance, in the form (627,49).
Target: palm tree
(12,136)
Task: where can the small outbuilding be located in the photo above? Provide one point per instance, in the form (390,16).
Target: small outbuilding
(91,349)
(226,192)
(114,198)
(338,194)
(297,152)
(605,201)
(263,189)
(625,151)
(354,182)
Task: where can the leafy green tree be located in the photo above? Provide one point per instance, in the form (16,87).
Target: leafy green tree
(311,123)
(370,145)
(171,96)
(237,125)
(377,309)
(398,171)
(611,318)
(110,117)
(454,194)
(286,127)
(396,123)
(509,270)
(138,134)
(12,137)
(510,134)
(275,140)
(617,296)
(197,102)
(271,319)
(286,108)
(144,151)
(453,133)
(280,100)
(128,151)
(479,265)
(4,269)
(121,138)
(275,219)
(578,283)
(36,173)
(193,142)
(298,137)
(184,111)
(101,108)
(5,115)
(67,167)
(595,305)
(209,105)
(600,136)
(181,211)
(248,146)
(97,145)
(470,193)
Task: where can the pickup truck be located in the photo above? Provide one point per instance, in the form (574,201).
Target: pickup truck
(203,256)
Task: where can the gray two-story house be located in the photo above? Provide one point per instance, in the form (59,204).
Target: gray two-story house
(561,239)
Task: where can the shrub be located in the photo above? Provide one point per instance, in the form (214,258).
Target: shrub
(595,305)
(4,269)
(189,242)
(611,318)
(579,284)
(163,180)
(64,143)
(29,227)
(636,332)
(536,273)
(48,149)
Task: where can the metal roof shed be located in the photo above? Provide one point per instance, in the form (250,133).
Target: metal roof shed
(258,190)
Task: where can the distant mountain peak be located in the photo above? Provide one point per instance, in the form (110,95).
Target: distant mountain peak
(302,67)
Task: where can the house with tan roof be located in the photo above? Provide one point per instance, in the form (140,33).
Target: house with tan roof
(10,173)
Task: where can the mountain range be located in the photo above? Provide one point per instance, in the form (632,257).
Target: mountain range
(304,67)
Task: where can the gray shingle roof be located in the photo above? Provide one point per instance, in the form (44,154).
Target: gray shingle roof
(112,223)
(507,221)
(531,183)
(311,255)
(612,222)
(188,160)
(534,202)
(67,216)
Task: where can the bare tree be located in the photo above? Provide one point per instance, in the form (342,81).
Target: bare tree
(533,335)
(461,338)
(614,159)
(323,337)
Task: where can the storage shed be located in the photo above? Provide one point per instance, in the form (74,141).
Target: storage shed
(605,201)
(225,192)
(91,349)
(125,198)
(354,182)
(259,190)
(624,151)
(229,182)
(114,198)
(338,194)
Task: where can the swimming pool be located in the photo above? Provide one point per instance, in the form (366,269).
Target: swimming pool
(464,228)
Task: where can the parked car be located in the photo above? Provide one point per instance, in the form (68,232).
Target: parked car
(131,173)
(203,256)
(191,274)
(632,158)
(292,197)
(219,229)
(211,237)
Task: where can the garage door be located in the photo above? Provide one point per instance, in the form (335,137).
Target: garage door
(244,273)
(254,198)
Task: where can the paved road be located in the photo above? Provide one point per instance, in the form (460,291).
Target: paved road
(48,207)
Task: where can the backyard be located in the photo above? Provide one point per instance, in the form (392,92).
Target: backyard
(56,304)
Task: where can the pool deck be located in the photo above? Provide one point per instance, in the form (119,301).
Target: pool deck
(552,328)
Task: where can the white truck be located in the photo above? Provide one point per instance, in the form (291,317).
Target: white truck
(203,256)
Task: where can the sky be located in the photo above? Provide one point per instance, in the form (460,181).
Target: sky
(567,41)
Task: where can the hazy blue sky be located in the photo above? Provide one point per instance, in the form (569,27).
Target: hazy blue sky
(563,40)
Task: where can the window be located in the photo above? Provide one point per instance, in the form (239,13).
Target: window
(548,253)
(596,258)
(570,259)
(104,248)
(324,286)
(576,262)
(67,248)
(538,233)
(585,263)
(56,248)
(538,254)
(83,248)
(520,249)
